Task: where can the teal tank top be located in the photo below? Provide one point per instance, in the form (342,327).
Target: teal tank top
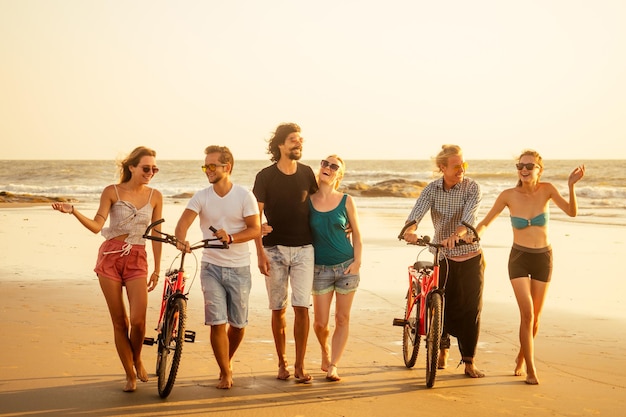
(330,242)
(521,223)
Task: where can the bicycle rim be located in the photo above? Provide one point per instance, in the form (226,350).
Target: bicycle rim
(410,336)
(173,337)
(433,337)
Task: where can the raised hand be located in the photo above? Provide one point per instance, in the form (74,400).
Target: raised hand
(577,174)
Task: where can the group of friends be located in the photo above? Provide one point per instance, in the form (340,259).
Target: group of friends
(311,244)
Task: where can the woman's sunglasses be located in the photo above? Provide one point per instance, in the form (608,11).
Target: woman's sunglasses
(530,166)
(212,167)
(326,164)
(147,168)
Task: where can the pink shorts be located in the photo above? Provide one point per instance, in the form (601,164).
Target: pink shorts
(121,261)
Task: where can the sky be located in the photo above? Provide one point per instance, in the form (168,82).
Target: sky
(86,79)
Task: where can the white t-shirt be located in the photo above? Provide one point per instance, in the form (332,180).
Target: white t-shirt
(226,213)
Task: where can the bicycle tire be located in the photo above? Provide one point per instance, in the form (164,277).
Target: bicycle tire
(171,348)
(433,337)
(410,336)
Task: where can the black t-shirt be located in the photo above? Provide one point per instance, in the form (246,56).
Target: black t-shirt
(286,204)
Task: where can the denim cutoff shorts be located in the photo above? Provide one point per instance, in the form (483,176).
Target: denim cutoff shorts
(289,265)
(226,294)
(327,278)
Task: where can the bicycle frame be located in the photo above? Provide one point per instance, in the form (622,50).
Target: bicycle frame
(175,288)
(171,331)
(424,311)
(425,277)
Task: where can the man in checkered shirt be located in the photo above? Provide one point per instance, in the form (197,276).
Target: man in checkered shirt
(451,200)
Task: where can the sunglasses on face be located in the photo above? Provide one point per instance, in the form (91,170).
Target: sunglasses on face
(530,166)
(147,168)
(462,166)
(212,167)
(326,164)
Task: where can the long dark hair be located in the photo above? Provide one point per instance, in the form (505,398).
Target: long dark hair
(280,135)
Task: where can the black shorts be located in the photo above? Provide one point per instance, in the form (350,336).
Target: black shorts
(529,262)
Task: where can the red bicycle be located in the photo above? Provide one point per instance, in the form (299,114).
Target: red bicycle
(423,315)
(171,332)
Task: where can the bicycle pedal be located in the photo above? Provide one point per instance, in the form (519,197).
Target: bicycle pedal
(148,341)
(399,322)
(190,336)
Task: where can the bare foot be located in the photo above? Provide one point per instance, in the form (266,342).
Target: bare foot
(142,374)
(472,371)
(283,373)
(325,361)
(226,382)
(532,380)
(519,367)
(442,363)
(332,374)
(302,377)
(131,384)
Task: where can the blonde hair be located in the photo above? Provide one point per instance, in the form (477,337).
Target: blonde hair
(340,171)
(446,152)
(538,160)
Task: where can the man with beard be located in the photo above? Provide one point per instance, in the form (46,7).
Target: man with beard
(225,274)
(285,251)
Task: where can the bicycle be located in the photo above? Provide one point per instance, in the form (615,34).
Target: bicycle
(423,315)
(171,331)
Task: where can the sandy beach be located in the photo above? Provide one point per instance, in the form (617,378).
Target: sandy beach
(59,358)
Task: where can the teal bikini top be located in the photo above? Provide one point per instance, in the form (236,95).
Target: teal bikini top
(538,220)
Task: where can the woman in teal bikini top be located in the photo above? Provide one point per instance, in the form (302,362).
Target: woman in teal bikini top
(539,220)
(530,260)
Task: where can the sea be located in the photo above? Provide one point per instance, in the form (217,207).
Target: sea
(390,184)
(386,190)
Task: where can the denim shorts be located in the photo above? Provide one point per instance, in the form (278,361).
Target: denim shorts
(327,278)
(121,261)
(226,293)
(289,264)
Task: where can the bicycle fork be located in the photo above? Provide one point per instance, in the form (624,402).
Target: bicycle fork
(190,335)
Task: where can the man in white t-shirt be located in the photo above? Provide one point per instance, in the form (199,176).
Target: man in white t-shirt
(225,274)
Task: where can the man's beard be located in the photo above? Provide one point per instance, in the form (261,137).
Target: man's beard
(294,155)
(215,179)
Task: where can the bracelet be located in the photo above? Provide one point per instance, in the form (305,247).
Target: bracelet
(71,211)
(157,275)
(232,239)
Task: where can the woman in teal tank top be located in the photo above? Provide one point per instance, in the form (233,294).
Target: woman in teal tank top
(530,261)
(337,261)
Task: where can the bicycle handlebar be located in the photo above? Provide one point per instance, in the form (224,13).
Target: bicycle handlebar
(171,239)
(425,240)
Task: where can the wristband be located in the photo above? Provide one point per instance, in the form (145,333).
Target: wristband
(232,240)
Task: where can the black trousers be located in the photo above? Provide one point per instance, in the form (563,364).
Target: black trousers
(463,282)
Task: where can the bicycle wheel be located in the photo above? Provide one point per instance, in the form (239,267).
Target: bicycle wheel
(433,337)
(171,348)
(410,336)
